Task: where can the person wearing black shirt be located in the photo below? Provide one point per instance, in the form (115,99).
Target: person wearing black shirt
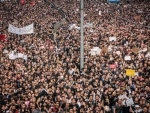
(105,98)
(113,100)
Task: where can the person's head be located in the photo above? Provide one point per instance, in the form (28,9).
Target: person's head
(137,107)
(33,106)
(145,110)
(136,99)
(23,106)
(119,101)
(70,110)
(114,93)
(26,99)
(13,107)
(74,108)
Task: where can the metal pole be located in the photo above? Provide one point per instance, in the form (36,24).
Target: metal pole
(82,37)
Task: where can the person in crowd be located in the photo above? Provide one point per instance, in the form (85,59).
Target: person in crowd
(40,71)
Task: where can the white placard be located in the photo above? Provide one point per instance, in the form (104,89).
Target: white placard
(88,25)
(112,38)
(118,52)
(100,13)
(71,26)
(122,97)
(21,31)
(76,27)
(91,31)
(127,57)
(77,9)
(140,11)
(96,48)
(129,102)
(95,51)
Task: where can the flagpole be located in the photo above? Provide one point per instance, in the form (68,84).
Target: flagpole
(82,36)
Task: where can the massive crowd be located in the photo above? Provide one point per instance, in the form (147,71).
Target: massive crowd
(49,80)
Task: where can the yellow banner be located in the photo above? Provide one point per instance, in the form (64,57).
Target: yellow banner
(130,72)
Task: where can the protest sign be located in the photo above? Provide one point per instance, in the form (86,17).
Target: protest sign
(22,2)
(127,57)
(130,72)
(2,37)
(76,27)
(95,51)
(112,38)
(95,36)
(104,49)
(100,13)
(122,97)
(112,66)
(129,102)
(32,3)
(118,52)
(88,25)
(21,31)
(135,50)
(71,26)
(140,11)
(92,52)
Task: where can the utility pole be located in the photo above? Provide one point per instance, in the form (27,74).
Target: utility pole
(82,36)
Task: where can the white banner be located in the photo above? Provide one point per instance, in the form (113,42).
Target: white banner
(21,31)
(13,56)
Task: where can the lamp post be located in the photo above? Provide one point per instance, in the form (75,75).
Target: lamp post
(82,36)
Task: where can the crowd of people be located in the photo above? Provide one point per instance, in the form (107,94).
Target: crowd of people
(50,80)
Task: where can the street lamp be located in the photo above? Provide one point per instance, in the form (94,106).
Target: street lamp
(82,36)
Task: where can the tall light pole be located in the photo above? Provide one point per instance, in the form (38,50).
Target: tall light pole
(82,36)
